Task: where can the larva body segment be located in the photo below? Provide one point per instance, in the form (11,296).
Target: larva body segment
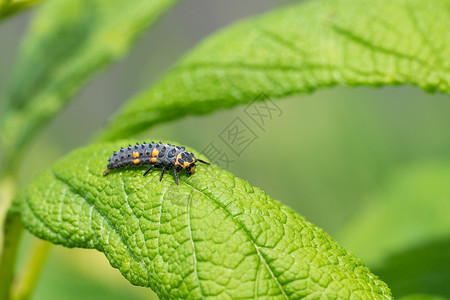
(157,155)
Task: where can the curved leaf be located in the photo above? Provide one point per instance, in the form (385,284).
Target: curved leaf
(299,49)
(213,235)
(68,42)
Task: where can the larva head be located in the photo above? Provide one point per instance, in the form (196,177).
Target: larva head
(187,160)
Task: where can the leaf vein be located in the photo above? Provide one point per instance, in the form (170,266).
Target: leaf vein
(221,205)
(159,221)
(439,60)
(192,242)
(42,221)
(101,214)
(360,40)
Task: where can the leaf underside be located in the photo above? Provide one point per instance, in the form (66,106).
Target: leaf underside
(299,49)
(213,235)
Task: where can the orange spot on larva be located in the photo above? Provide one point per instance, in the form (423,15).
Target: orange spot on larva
(135,154)
(177,163)
(136,161)
(155,152)
(154,159)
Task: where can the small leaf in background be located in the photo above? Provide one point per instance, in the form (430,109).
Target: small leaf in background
(422,297)
(69,41)
(11,7)
(404,235)
(423,269)
(213,235)
(299,49)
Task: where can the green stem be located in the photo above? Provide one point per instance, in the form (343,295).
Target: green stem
(25,282)
(22,286)
(12,232)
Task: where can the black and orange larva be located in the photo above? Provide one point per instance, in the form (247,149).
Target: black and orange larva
(157,155)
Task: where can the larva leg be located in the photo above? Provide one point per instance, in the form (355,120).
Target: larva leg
(176,176)
(162,173)
(148,170)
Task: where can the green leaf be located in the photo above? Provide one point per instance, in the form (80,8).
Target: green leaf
(213,235)
(299,49)
(68,42)
(404,234)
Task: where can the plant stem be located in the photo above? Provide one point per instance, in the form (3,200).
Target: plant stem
(25,282)
(12,232)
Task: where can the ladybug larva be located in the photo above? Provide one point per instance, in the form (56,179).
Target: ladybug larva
(157,155)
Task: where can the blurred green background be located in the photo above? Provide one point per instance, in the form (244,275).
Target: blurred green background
(326,156)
